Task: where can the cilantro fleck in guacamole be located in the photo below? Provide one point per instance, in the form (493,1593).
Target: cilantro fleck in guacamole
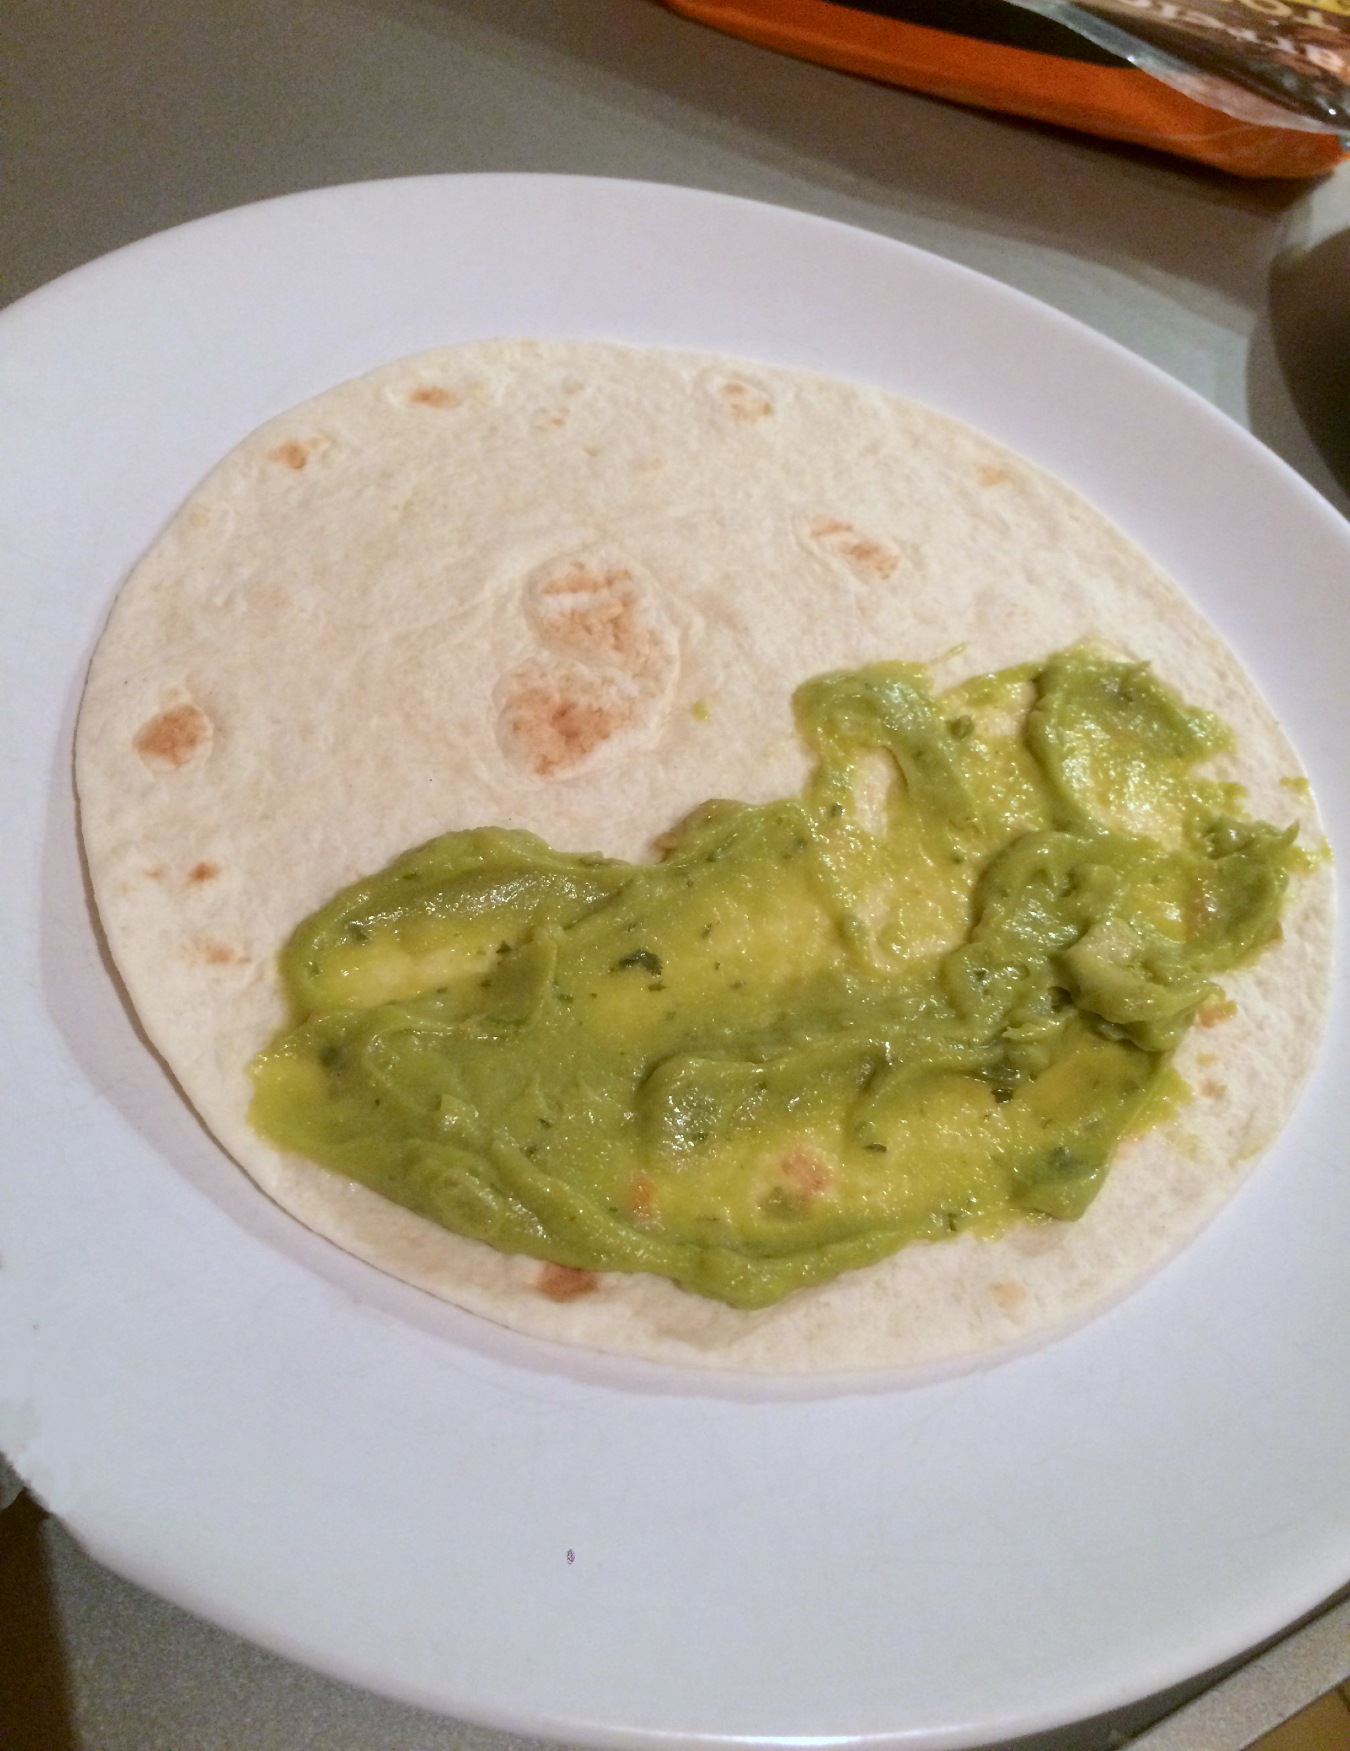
(931,994)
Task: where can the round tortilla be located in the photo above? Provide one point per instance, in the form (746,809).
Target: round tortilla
(570,587)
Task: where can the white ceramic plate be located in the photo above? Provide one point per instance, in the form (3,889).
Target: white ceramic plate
(225,1409)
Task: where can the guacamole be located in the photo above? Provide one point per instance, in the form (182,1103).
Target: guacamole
(930,994)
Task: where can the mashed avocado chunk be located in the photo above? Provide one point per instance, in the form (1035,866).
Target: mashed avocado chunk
(931,994)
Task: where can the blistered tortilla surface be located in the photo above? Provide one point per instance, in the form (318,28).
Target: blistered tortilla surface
(570,587)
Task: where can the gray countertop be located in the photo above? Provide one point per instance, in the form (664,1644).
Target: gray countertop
(122,117)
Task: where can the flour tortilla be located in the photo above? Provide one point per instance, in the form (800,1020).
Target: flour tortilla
(570,587)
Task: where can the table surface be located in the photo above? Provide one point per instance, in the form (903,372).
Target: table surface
(122,117)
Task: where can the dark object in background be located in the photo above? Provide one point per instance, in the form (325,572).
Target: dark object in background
(1310,322)
(35,1713)
(997,55)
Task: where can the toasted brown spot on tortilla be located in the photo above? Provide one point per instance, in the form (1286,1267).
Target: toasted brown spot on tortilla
(1212,1089)
(870,559)
(745,402)
(546,419)
(554,720)
(596,613)
(806,1173)
(873,561)
(203,872)
(434,395)
(291,454)
(990,475)
(565,1282)
(217,954)
(155,873)
(173,737)
(1009,1295)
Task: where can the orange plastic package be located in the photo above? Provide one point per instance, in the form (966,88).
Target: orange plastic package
(998,56)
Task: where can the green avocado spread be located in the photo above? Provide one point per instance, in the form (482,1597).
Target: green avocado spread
(930,994)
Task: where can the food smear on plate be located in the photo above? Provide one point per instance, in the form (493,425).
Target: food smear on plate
(931,994)
(570,588)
